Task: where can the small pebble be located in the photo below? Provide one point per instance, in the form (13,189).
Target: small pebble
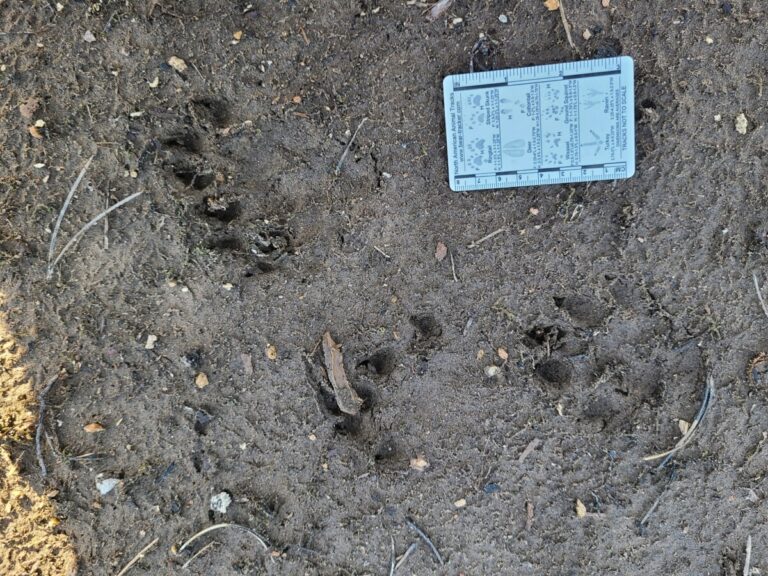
(201,380)
(460,503)
(492,371)
(709,40)
(718,117)
(491,488)
(106,485)
(89,37)
(741,123)
(503,18)
(150,343)
(220,502)
(587,34)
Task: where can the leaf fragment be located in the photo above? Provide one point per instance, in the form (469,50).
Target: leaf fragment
(346,396)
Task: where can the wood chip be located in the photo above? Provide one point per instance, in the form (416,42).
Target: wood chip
(439,9)
(581,510)
(346,397)
(552,5)
(238,35)
(201,380)
(441,251)
(93,427)
(503,354)
(177,64)
(34,131)
(528,516)
(684,426)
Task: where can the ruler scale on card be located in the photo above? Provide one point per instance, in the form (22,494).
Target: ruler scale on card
(553,124)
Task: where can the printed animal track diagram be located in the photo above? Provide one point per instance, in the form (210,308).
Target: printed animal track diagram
(553,124)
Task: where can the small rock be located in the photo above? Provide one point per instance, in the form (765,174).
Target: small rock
(460,503)
(177,64)
(419,464)
(581,510)
(741,123)
(718,117)
(492,371)
(441,251)
(586,34)
(93,427)
(503,354)
(150,343)
(491,488)
(220,502)
(503,18)
(154,83)
(709,40)
(106,485)
(201,380)
(271,352)
(605,3)
(89,37)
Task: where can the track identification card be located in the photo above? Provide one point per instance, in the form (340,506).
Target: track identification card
(553,124)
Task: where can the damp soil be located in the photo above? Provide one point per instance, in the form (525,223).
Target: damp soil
(605,306)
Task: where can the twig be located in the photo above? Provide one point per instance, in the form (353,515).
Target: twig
(706,402)
(138,557)
(41,425)
(380,251)
(349,145)
(566,25)
(198,553)
(453,268)
(406,554)
(748,559)
(532,445)
(426,539)
(759,294)
(477,243)
(87,227)
(392,559)
(218,527)
(67,200)
(644,521)
(106,223)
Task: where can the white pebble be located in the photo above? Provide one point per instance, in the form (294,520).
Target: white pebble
(106,485)
(220,502)
(503,18)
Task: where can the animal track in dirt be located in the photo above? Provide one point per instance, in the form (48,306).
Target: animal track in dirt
(549,336)
(427,333)
(380,363)
(211,110)
(220,209)
(584,312)
(555,371)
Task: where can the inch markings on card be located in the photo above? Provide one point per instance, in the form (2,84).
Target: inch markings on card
(553,124)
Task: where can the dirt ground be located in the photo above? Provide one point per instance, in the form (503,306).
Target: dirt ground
(605,306)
